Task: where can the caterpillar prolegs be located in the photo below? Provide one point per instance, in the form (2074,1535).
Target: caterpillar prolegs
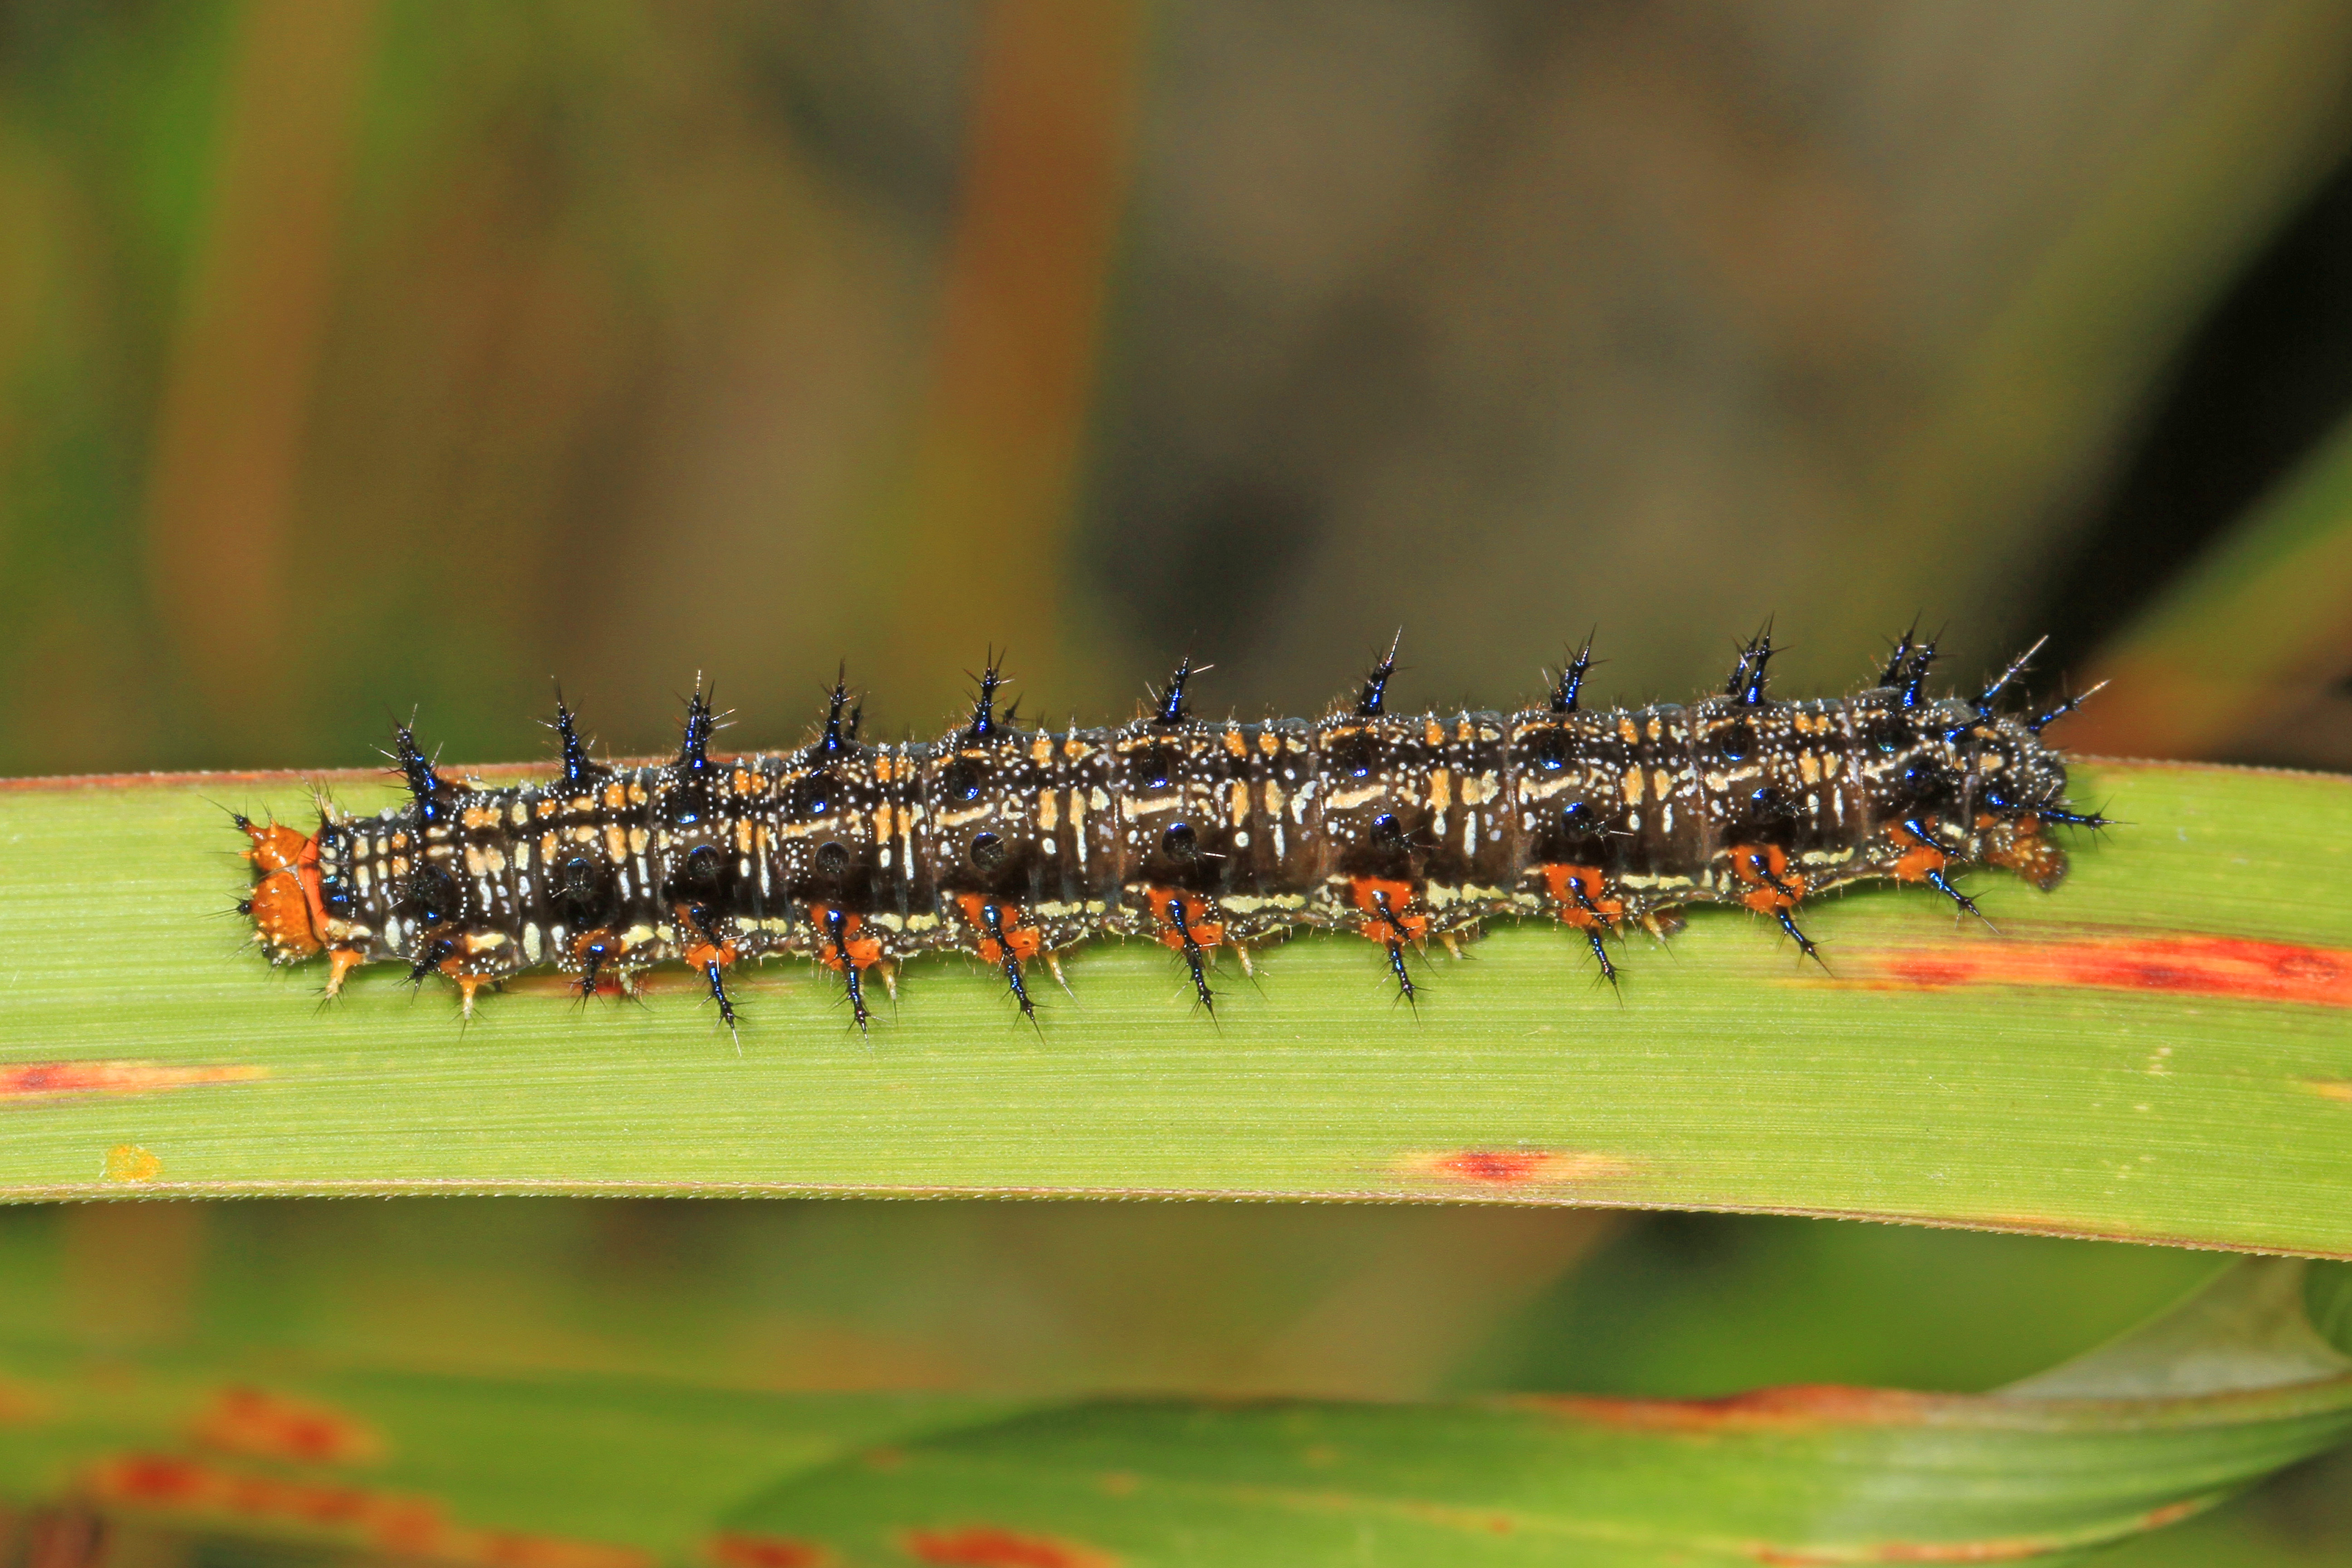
(1012,844)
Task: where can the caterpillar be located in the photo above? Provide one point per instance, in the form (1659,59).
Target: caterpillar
(1012,844)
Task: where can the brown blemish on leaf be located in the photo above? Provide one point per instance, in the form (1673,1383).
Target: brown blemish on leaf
(51,1080)
(1477,1522)
(1511,1167)
(2329,1088)
(265,1426)
(1793,1404)
(739,1549)
(129,1162)
(2173,965)
(395,1524)
(991,1546)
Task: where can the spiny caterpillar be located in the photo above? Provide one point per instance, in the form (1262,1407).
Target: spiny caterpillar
(1012,844)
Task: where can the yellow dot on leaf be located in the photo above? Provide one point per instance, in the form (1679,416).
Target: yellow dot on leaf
(129,1162)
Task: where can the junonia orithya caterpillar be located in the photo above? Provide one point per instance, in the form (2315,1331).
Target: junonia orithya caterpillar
(1014,844)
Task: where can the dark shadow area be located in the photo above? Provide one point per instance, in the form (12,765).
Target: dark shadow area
(2259,385)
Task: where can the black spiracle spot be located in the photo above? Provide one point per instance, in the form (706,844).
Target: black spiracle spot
(431,896)
(683,806)
(1768,803)
(698,874)
(833,857)
(1888,734)
(811,796)
(1550,750)
(987,851)
(1925,780)
(1357,756)
(577,878)
(1152,768)
(1734,741)
(1387,831)
(1180,842)
(959,781)
(335,898)
(1578,817)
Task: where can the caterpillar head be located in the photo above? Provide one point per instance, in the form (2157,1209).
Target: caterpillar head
(284,897)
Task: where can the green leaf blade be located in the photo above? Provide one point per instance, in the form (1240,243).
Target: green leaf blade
(2160,1051)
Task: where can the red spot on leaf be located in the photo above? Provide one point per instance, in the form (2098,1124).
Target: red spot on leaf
(515,1549)
(736,1549)
(271,1427)
(1512,1167)
(49,1080)
(990,1546)
(154,1479)
(2174,965)
(1502,1167)
(402,1523)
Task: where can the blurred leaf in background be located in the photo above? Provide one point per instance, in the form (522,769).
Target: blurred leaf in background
(363,354)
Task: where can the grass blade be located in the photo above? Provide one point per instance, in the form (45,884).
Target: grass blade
(2158,1051)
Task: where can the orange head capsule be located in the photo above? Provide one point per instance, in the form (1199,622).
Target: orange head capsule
(277,847)
(285,903)
(281,913)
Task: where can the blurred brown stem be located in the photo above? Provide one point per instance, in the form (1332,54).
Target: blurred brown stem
(229,441)
(982,545)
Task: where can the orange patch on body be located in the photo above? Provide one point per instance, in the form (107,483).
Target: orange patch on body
(340,962)
(2178,965)
(739,1549)
(266,1426)
(1165,902)
(48,1081)
(1566,881)
(991,1546)
(865,951)
(281,913)
(1767,898)
(699,951)
(1365,892)
(1512,1167)
(1026,941)
(1921,858)
(2021,849)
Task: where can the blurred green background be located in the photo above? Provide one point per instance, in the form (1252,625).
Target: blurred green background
(364,356)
